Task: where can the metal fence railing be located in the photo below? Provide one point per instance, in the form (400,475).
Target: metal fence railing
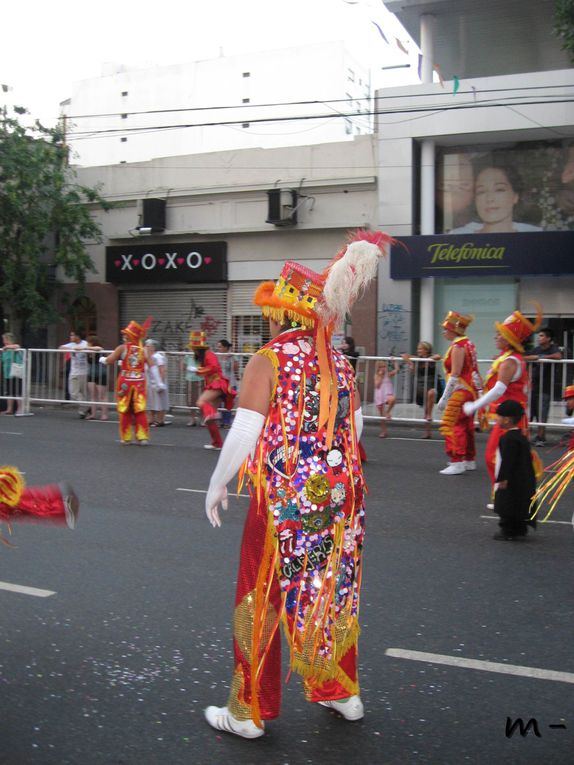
(44,381)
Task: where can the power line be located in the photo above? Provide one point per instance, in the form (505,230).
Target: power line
(421,110)
(315,102)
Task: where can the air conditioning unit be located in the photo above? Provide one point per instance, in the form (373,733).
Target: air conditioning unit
(151,213)
(282,207)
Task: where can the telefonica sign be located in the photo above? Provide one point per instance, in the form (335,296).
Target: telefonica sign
(515,254)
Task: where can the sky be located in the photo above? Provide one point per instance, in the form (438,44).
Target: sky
(48,46)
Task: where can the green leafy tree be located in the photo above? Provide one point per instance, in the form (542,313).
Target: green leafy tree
(564,25)
(45,221)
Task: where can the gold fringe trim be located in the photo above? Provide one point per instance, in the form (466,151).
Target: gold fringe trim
(551,490)
(11,485)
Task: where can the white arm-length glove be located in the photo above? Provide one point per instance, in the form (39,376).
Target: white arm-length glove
(472,406)
(448,391)
(239,443)
(359,422)
(156,381)
(568,420)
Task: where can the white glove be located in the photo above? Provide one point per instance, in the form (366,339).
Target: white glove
(448,391)
(103,360)
(493,395)
(191,369)
(568,420)
(359,422)
(239,443)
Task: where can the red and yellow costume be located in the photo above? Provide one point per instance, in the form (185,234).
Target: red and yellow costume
(213,378)
(53,503)
(515,330)
(560,473)
(457,427)
(302,544)
(131,385)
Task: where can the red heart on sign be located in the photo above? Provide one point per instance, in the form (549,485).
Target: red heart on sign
(180,261)
(136,262)
(117,263)
(161,261)
(207,260)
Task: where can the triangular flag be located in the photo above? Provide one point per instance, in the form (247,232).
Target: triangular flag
(380,31)
(400,45)
(455,85)
(436,67)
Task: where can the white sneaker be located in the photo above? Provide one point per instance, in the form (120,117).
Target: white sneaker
(351,709)
(71,503)
(490,506)
(221,718)
(211,446)
(143,442)
(455,468)
(469,465)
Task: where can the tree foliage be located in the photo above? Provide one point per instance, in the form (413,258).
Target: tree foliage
(45,221)
(564,25)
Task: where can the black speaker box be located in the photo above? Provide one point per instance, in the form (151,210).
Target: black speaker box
(153,214)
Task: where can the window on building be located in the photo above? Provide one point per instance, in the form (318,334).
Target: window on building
(245,124)
(246,74)
(124,116)
(83,316)
(123,139)
(124,93)
(245,100)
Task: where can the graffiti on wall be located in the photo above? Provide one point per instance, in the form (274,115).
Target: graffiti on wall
(393,329)
(173,334)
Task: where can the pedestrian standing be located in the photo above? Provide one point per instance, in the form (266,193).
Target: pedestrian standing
(78,375)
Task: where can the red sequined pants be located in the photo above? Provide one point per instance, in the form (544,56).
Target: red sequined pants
(269,685)
(458,429)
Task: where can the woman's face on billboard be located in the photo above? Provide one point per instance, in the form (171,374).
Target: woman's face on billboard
(494,196)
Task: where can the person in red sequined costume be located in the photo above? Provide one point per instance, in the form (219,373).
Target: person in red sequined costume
(298,424)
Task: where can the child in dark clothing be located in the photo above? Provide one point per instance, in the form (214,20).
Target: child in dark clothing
(515,479)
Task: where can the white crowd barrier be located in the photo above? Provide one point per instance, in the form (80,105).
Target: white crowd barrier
(44,383)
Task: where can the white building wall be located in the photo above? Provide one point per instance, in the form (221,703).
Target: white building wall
(312,73)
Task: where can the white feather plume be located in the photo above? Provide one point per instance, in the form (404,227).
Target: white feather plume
(348,277)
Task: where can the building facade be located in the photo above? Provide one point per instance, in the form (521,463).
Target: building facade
(189,238)
(287,97)
(477,174)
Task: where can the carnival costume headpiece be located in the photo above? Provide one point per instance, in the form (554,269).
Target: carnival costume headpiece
(457,322)
(568,392)
(321,302)
(197,340)
(516,328)
(136,332)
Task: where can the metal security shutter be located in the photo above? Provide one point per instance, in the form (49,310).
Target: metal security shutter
(176,312)
(249,330)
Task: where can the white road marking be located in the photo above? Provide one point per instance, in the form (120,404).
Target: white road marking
(542,523)
(26,590)
(204,491)
(485,666)
(405,438)
(10,433)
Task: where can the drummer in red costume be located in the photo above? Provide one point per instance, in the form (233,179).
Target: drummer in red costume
(463,384)
(131,383)
(216,387)
(298,424)
(507,379)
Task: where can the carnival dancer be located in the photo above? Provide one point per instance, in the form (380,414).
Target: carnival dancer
(216,388)
(462,386)
(53,503)
(507,379)
(131,382)
(299,422)
(568,398)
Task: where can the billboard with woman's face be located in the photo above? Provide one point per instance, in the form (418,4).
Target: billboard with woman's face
(505,188)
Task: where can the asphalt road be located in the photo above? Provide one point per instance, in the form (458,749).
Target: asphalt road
(117,665)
